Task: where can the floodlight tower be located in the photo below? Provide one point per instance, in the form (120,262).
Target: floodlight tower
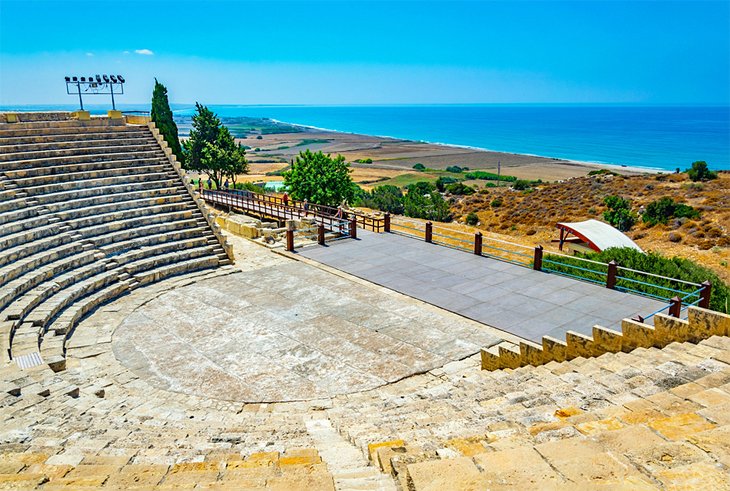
(99,84)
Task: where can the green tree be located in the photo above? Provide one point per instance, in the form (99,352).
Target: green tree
(423,201)
(320,179)
(211,149)
(161,115)
(224,158)
(619,213)
(700,171)
(385,198)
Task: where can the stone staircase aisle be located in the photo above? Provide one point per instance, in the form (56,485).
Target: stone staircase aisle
(348,467)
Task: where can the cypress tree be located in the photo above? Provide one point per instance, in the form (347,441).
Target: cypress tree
(161,115)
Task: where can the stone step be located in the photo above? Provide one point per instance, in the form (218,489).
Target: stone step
(36,191)
(19,176)
(128,167)
(80,152)
(74,137)
(31,148)
(92,192)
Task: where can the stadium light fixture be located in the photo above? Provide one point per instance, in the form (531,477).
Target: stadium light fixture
(95,85)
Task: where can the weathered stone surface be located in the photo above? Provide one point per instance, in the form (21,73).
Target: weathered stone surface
(458,474)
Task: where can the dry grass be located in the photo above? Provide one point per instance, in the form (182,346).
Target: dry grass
(533,215)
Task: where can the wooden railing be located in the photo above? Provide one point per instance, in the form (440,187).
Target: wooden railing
(274,207)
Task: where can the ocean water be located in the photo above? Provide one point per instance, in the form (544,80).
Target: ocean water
(645,136)
(659,137)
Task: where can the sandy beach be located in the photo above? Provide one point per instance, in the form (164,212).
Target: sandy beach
(395,157)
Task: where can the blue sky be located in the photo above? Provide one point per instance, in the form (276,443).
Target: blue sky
(371,52)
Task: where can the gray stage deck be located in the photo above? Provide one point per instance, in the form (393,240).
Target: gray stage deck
(513,298)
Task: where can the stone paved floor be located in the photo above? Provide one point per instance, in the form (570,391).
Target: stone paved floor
(527,303)
(288,331)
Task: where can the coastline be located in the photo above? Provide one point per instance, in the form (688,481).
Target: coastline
(608,165)
(392,157)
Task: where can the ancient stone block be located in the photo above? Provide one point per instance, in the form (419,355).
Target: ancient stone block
(704,323)
(436,475)
(636,335)
(579,345)
(554,349)
(531,353)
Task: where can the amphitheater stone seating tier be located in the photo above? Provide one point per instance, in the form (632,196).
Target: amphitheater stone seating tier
(88,211)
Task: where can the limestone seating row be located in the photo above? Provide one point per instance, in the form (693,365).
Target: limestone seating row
(45,125)
(32,278)
(99,288)
(701,324)
(51,142)
(81,149)
(94,215)
(97,182)
(106,233)
(29,263)
(21,208)
(79,166)
(129,168)
(11,143)
(24,117)
(69,168)
(31,216)
(72,159)
(296,469)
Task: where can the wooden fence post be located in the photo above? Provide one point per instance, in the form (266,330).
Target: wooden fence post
(537,262)
(320,234)
(387,222)
(429,231)
(478,243)
(290,240)
(675,307)
(705,295)
(353,228)
(611,275)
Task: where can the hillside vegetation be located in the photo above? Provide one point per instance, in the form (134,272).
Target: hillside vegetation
(534,212)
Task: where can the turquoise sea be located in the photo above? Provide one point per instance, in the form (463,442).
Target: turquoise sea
(660,137)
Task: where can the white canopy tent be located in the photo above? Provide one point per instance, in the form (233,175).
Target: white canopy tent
(596,235)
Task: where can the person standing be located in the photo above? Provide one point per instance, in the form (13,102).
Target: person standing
(285,199)
(305,205)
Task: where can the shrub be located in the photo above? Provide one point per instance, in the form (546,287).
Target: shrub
(496,203)
(423,201)
(472,219)
(460,189)
(259,137)
(419,167)
(521,185)
(364,161)
(455,169)
(384,198)
(663,209)
(489,176)
(601,172)
(619,213)
(700,172)
(444,181)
